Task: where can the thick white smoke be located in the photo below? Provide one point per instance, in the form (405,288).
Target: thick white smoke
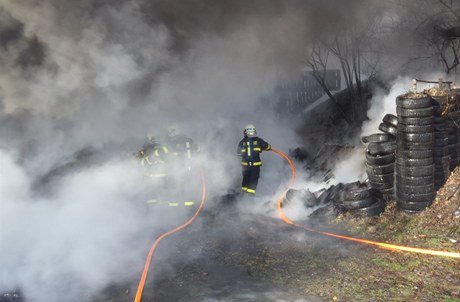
(384,102)
(90,231)
(103,77)
(83,82)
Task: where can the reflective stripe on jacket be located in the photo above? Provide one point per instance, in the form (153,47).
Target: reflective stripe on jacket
(183,146)
(249,148)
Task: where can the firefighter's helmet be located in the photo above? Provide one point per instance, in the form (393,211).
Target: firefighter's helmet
(173,130)
(150,137)
(250,130)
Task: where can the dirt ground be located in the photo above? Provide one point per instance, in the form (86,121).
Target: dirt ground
(250,258)
(265,259)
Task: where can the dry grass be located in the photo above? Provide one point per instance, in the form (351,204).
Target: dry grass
(436,91)
(414,95)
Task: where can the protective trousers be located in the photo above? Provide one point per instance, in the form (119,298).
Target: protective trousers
(250,178)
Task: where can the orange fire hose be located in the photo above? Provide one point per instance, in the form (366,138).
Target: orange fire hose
(381,245)
(140,288)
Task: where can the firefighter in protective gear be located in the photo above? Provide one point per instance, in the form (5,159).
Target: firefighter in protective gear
(152,156)
(181,145)
(249,148)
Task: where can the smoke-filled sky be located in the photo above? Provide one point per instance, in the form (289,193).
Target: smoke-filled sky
(83,82)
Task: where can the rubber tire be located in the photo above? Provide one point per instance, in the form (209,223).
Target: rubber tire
(359,204)
(406,189)
(440,130)
(379,170)
(388,194)
(416,120)
(382,186)
(388,178)
(439,100)
(310,199)
(415,171)
(441,142)
(441,151)
(428,197)
(403,145)
(414,162)
(441,160)
(416,137)
(452,138)
(381,148)
(390,119)
(304,195)
(375,209)
(414,103)
(415,181)
(414,153)
(388,128)
(421,112)
(377,138)
(380,160)
(331,195)
(412,205)
(415,128)
(354,193)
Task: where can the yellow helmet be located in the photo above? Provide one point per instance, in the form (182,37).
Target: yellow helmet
(250,130)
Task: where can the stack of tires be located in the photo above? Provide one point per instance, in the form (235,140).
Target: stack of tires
(414,153)
(453,142)
(441,152)
(380,157)
(389,124)
(361,199)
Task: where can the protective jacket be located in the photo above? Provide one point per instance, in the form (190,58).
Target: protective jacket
(182,146)
(153,149)
(153,157)
(249,148)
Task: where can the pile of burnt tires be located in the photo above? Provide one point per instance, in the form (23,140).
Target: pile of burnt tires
(360,199)
(357,198)
(325,204)
(380,156)
(308,199)
(415,176)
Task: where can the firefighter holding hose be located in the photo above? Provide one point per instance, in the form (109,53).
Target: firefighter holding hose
(249,149)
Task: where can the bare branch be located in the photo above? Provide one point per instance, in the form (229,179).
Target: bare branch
(450,8)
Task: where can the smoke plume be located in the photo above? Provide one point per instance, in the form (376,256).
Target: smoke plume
(83,82)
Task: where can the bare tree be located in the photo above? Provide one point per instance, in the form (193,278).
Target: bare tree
(447,48)
(350,49)
(424,34)
(434,26)
(317,60)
